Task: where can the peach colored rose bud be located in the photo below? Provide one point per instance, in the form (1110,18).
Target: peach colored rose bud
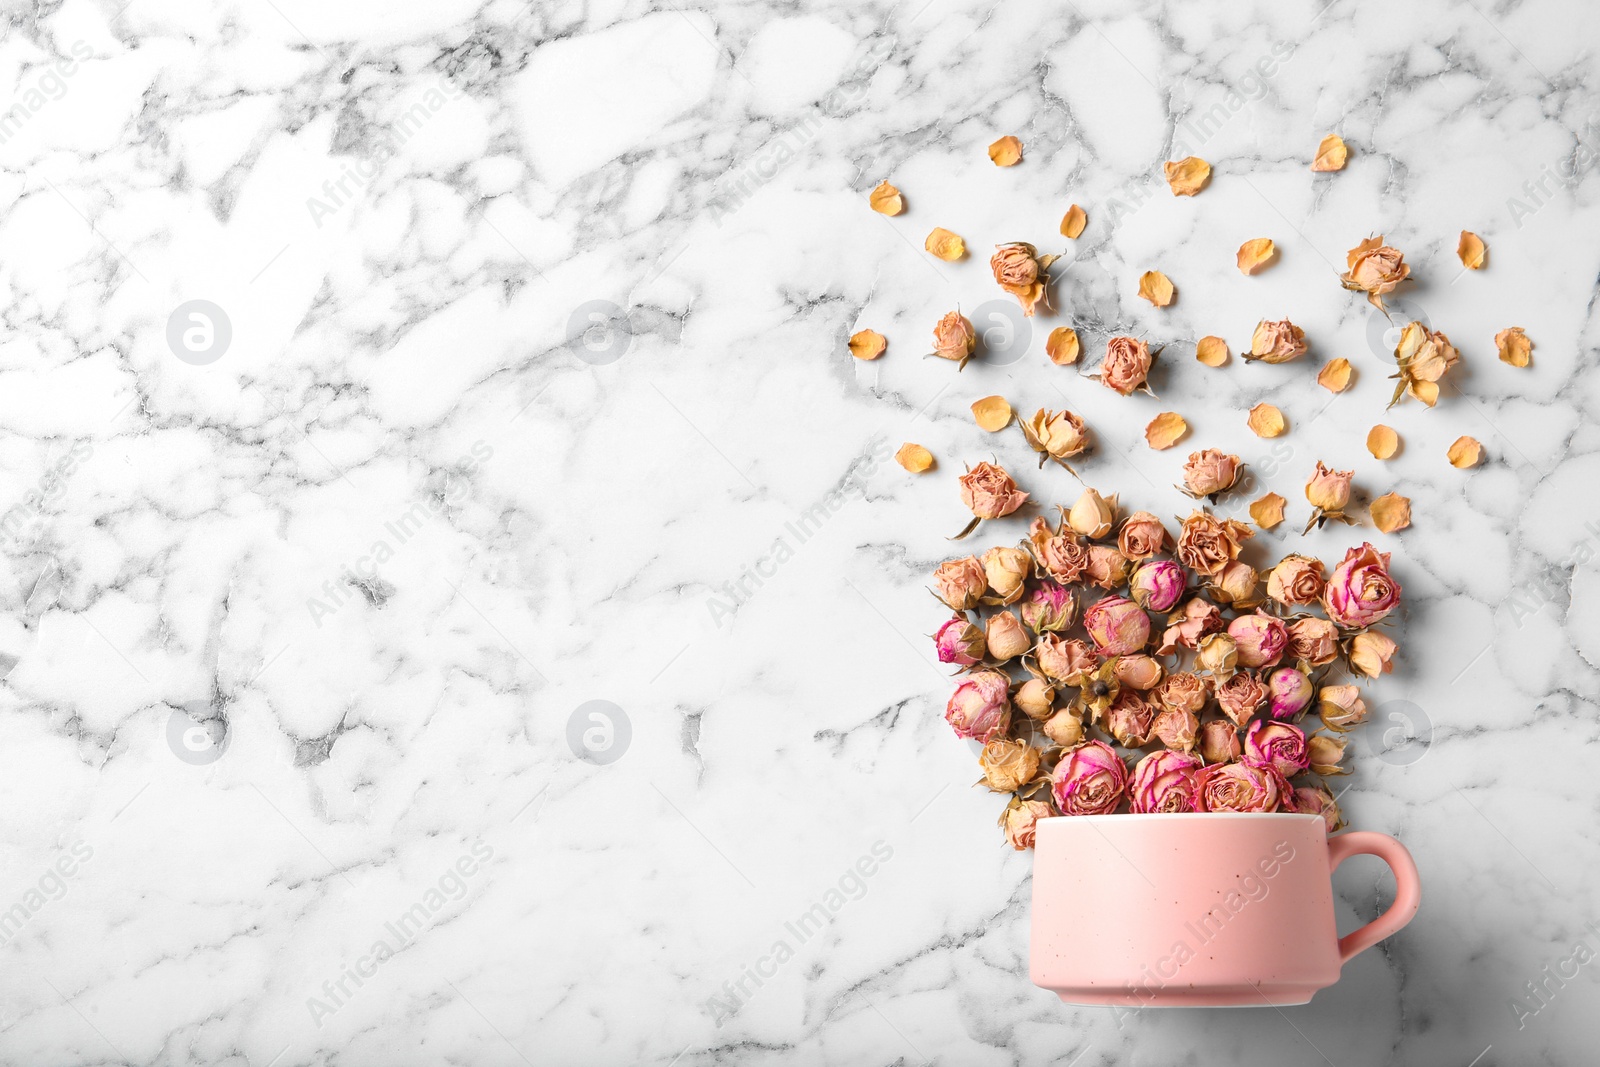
(1008,765)
(1020,821)
(1238,787)
(1126,365)
(1314,641)
(1117,625)
(954,338)
(1128,719)
(1219,741)
(1374,268)
(1342,707)
(959,642)
(1063,555)
(1138,672)
(1183,692)
(1261,639)
(1360,590)
(1240,696)
(1006,637)
(1014,266)
(1063,659)
(1187,626)
(1314,800)
(1142,536)
(1163,782)
(1207,544)
(1178,730)
(1325,754)
(960,583)
(1236,584)
(1049,608)
(1209,472)
(1089,780)
(980,708)
(1276,744)
(1329,490)
(1290,693)
(1157,585)
(1093,514)
(1064,728)
(1371,653)
(1057,434)
(1276,342)
(1107,568)
(1218,654)
(1423,357)
(1296,580)
(989,492)
(1006,570)
(1036,697)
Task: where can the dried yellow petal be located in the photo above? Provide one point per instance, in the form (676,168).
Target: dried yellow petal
(992,413)
(867,344)
(1165,430)
(1255,254)
(1335,375)
(946,245)
(1471,250)
(1466,452)
(914,458)
(1266,420)
(1267,512)
(1382,441)
(1073,221)
(1187,176)
(1391,512)
(1331,154)
(886,200)
(1514,346)
(1156,288)
(1212,351)
(1006,151)
(1062,346)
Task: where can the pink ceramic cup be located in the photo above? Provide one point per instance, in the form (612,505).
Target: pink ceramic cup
(1198,909)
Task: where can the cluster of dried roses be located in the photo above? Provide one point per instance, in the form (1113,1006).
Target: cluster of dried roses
(1207,702)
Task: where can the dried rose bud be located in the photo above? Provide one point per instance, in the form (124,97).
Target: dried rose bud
(1064,728)
(1290,692)
(1209,472)
(1236,584)
(1276,342)
(1207,544)
(1178,730)
(1183,692)
(959,642)
(1342,707)
(1329,490)
(1238,787)
(960,583)
(1296,580)
(1157,585)
(1314,800)
(1276,744)
(1240,696)
(1423,357)
(954,338)
(1062,554)
(989,492)
(1142,536)
(1065,659)
(1261,639)
(1049,607)
(979,707)
(1117,625)
(1019,271)
(1314,641)
(1217,654)
(1129,718)
(1093,514)
(1006,637)
(1163,782)
(1006,570)
(1107,568)
(1126,365)
(1139,672)
(1360,590)
(1057,434)
(1372,654)
(1089,780)
(1036,697)
(1187,626)
(1020,821)
(1008,765)
(1374,268)
(1219,741)
(1325,754)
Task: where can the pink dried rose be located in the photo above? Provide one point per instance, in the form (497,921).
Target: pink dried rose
(1129,717)
(1065,659)
(1296,580)
(1219,741)
(1341,707)
(1360,591)
(1261,639)
(1186,627)
(1217,654)
(1005,572)
(1036,697)
(1372,654)
(1183,692)
(979,708)
(1326,754)
(1289,692)
(1314,641)
(1240,696)
(1238,787)
(1314,800)
(1089,780)
(1277,745)
(1107,568)
(1178,730)
(1021,820)
(1006,637)
(1276,342)
(989,492)
(954,339)
(1138,672)
(1209,472)
(959,583)
(1008,765)
(1157,585)
(1208,544)
(960,642)
(1236,584)
(1126,365)
(1117,625)
(1142,536)
(1049,608)
(1062,554)
(1164,782)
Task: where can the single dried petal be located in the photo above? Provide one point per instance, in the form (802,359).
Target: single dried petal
(1471,250)
(1165,430)
(886,199)
(1156,288)
(1391,512)
(1382,441)
(1331,154)
(1073,221)
(1255,254)
(992,412)
(914,458)
(1062,346)
(946,245)
(1006,152)
(1335,375)
(1266,420)
(1466,452)
(1267,512)
(1212,351)
(867,344)
(1514,346)
(1187,176)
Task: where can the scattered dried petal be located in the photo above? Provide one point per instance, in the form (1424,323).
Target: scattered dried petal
(1006,152)
(1391,512)
(1062,346)
(1267,512)
(1331,154)
(867,344)
(992,413)
(1466,452)
(1255,254)
(1382,441)
(1266,420)
(1471,250)
(946,245)
(1165,430)
(1156,288)
(1212,351)
(1335,375)
(1514,346)
(1073,221)
(914,458)
(886,200)
(1187,176)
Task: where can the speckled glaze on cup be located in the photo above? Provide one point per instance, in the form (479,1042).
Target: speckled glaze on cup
(1198,909)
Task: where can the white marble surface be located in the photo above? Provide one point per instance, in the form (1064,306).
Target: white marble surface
(577,525)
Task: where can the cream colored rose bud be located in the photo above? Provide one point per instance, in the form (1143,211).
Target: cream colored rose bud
(1325,754)
(1217,653)
(1007,637)
(1342,707)
(1064,728)
(1006,570)
(1036,698)
(1008,765)
(1139,672)
(1093,514)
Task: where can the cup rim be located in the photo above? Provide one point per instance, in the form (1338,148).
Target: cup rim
(1185,816)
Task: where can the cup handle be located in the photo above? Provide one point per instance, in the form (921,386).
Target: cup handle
(1408,887)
